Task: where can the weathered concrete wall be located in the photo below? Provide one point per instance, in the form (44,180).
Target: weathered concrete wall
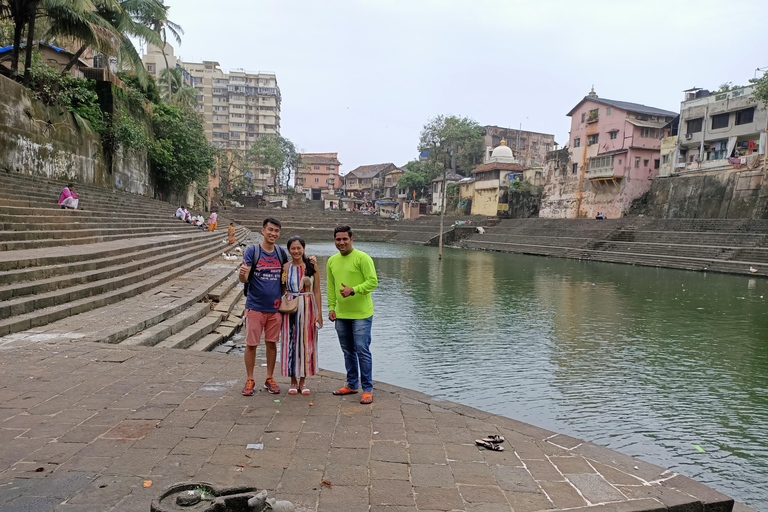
(523,205)
(46,141)
(726,195)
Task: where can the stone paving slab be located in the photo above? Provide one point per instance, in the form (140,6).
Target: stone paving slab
(84,425)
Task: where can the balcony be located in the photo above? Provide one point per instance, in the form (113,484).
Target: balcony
(601,172)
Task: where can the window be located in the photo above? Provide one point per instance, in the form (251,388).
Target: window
(745,116)
(608,111)
(665,159)
(649,133)
(151,68)
(645,162)
(600,161)
(613,134)
(576,142)
(547,147)
(637,162)
(656,163)
(694,125)
(328,167)
(593,115)
(317,167)
(592,139)
(575,168)
(533,145)
(720,121)
(317,180)
(583,117)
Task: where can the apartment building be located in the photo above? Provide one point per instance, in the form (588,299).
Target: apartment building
(614,152)
(237,107)
(318,175)
(719,131)
(530,147)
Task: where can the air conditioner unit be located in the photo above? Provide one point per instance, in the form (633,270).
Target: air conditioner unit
(688,136)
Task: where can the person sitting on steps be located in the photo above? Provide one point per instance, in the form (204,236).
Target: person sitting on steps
(68,198)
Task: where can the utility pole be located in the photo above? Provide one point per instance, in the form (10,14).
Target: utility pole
(445,193)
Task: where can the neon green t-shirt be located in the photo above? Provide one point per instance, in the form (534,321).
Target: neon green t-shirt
(356,269)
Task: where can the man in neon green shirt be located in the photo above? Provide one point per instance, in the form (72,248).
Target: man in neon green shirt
(351,277)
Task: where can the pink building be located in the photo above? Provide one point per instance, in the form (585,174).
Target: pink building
(614,152)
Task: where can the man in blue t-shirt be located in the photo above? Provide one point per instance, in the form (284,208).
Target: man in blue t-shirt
(263,301)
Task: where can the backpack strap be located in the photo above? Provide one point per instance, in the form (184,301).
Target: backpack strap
(256,254)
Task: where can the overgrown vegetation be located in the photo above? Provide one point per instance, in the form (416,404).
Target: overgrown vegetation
(278,155)
(761,88)
(62,90)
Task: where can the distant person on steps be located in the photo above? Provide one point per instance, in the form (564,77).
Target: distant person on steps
(351,277)
(231,233)
(213,220)
(68,198)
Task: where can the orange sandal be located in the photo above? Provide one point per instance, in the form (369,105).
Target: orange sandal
(345,391)
(366,398)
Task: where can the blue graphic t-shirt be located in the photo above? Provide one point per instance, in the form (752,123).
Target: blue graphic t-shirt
(264,288)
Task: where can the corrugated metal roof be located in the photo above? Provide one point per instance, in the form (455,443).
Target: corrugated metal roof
(625,105)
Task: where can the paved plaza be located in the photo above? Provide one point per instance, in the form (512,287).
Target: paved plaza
(85,427)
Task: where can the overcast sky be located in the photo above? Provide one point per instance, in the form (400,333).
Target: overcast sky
(362,77)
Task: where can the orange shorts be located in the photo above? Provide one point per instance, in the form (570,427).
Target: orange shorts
(257,322)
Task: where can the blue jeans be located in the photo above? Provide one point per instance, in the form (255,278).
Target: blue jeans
(355,341)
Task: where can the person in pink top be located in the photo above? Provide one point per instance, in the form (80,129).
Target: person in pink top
(68,198)
(213,221)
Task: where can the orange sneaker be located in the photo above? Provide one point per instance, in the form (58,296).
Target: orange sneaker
(271,386)
(366,398)
(248,389)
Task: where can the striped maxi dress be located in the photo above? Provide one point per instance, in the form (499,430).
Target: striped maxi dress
(299,334)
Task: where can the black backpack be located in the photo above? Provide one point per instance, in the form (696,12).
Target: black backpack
(282,256)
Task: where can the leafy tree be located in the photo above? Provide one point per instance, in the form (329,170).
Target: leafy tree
(180,153)
(761,88)
(174,90)
(412,180)
(278,154)
(442,135)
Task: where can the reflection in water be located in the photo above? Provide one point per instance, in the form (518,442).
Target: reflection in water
(645,361)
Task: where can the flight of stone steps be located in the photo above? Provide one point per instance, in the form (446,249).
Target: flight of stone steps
(717,245)
(122,270)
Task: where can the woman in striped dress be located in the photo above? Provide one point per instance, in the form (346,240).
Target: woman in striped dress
(299,334)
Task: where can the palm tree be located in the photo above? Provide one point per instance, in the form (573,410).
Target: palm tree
(180,94)
(88,28)
(19,12)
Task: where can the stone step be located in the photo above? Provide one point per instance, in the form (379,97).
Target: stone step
(129,254)
(40,287)
(173,325)
(56,242)
(47,315)
(189,335)
(225,306)
(22,259)
(106,281)
(207,342)
(223,289)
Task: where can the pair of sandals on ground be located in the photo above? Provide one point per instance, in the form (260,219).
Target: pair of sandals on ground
(365,398)
(491,442)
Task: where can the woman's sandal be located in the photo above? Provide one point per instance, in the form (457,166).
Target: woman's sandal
(489,446)
(304,391)
(494,439)
(293,391)
(345,391)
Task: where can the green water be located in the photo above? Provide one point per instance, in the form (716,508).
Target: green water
(649,362)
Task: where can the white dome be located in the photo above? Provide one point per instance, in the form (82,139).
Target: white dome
(503,154)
